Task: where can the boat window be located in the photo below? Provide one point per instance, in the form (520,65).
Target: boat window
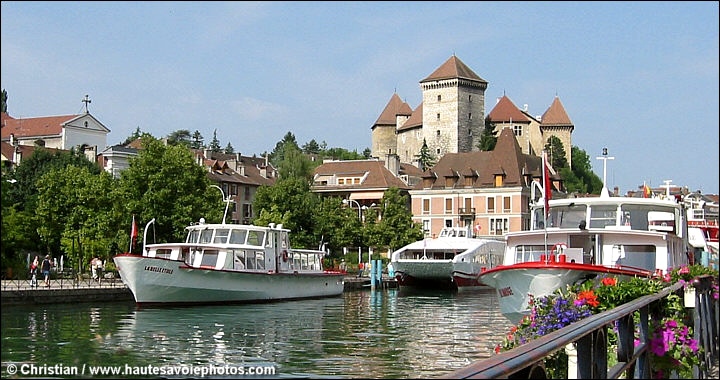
(205,236)
(260,260)
(642,216)
(638,256)
(568,216)
(184,253)
(524,253)
(192,236)
(256,237)
(221,236)
(238,236)
(163,253)
(209,258)
(603,215)
(238,260)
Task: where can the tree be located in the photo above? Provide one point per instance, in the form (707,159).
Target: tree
(425,158)
(134,136)
(581,179)
(229,149)
(556,153)
(311,147)
(165,183)
(215,143)
(197,140)
(278,154)
(179,137)
(291,203)
(3,106)
(488,139)
(396,228)
(295,164)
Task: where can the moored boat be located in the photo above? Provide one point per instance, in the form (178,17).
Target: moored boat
(587,238)
(453,260)
(227,263)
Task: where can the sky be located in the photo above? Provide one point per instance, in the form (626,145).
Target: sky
(637,78)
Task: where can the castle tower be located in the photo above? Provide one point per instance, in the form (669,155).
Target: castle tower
(555,122)
(383,135)
(453,108)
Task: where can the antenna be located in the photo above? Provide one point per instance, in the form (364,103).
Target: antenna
(605,192)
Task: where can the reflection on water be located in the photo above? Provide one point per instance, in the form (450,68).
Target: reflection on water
(369,334)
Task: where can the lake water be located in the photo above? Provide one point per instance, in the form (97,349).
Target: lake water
(389,333)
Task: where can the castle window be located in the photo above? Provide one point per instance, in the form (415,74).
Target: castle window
(439,98)
(438,116)
(470,116)
(438,133)
(517,129)
(437,151)
(469,98)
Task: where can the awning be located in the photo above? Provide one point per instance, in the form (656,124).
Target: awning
(367,195)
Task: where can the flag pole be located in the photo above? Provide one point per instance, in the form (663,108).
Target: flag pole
(545,201)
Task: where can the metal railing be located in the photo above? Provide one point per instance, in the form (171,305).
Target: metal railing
(590,338)
(66,279)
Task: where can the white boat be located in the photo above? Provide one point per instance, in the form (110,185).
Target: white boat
(223,263)
(586,238)
(702,219)
(453,260)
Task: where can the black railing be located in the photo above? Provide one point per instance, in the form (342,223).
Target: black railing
(65,279)
(590,338)
(466,211)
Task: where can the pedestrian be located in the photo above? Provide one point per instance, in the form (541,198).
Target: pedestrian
(94,267)
(45,267)
(34,271)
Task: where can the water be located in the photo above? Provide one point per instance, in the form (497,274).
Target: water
(386,333)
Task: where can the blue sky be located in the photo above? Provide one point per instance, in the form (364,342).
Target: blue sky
(640,78)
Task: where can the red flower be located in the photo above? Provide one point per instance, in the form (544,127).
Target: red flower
(609,281)
(589,297)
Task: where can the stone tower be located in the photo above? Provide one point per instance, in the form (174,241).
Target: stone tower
(453,108)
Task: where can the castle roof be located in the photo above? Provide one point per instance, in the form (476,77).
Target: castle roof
(394,108)
(453,68)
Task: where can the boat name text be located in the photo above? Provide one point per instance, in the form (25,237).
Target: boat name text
(505,292)
(151,268)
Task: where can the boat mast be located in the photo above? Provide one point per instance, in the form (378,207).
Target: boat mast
(226,200)
(605,192)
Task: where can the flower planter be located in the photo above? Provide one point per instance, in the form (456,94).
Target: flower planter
(690,296)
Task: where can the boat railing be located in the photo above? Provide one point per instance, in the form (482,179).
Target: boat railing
(588,340)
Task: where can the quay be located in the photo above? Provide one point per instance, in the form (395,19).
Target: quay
(19,292)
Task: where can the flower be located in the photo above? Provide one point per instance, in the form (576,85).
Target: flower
(672,349)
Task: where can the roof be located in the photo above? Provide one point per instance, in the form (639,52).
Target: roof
(415,120)
(556,115)
(505,111)
(34,126)
(394,108)
(453,68)
(506,159)
(378,176)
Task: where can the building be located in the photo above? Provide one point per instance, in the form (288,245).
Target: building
(488,192)
(451,118)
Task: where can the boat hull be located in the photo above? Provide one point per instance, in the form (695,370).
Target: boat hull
(517,284)
(164,281)
(424,273)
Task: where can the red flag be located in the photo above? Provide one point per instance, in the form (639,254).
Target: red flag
(646,191)
(547,187)
(133,233)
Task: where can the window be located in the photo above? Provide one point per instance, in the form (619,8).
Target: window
(439,98)
(426,226)
(491,205)
(438,133)
(425,206)
(237,237)
(448,205)
(469,98)
(470,116)
(517,129)
(499,226)
(438,116)
(437,151)
(233,189)
(506,204)
(247,193)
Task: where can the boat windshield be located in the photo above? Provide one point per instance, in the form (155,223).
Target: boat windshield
(562,216)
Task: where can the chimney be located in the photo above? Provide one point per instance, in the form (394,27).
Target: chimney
(208,154)
(392,163)
(13,142)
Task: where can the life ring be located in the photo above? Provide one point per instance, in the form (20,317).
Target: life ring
(558,245)
(284,255)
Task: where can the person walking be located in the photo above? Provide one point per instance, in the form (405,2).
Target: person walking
(45,267)
(34,272)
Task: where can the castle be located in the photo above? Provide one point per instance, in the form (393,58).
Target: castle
(451,119)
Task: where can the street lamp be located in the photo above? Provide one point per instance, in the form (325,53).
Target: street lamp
(347,203)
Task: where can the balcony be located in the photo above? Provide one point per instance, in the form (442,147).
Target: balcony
(466,211)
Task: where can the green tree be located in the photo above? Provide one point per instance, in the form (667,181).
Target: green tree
(580,179)
(396,227)
(4,98)
(489,136)
(425,158)
(556,153)
(215,143)
(291,203)
(134,136)
(198,142)
(179,137)
(311,147)
(165,183)
(278,154)
(295,164)
(229,149)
